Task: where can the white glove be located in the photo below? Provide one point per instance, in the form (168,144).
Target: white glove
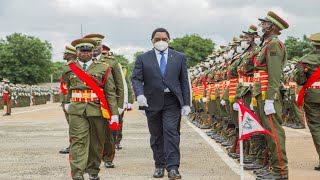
(129,106)
(235,106)
(297,97)
(143,112)
(142,100)
(185,110)
(120,110)
(251,106)
(114,119)
(269,107)
(66,106)
(125,105)
(204,99)
(223,102)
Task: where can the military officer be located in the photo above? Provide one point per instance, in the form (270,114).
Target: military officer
(68,55)
(91,100)
(7,93)
(308,75)
(267,77)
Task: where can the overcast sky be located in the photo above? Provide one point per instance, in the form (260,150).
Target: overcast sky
(128,24)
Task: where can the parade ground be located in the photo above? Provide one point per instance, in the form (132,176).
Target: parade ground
(31,138)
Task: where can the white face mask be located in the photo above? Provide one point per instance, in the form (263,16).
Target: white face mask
(195,72)
(226,56)
(200,69)
(257,41)
(161,45)
(231,52)
(206,64)
(239,49)
(260,31)
(211,62)
(245,44)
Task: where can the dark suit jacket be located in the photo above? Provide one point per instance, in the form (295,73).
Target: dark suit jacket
(147,80)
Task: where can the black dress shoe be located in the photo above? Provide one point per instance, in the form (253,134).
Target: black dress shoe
(109,164)
(174,174)
(94,177)
(158,173)
(64,151)
(317,168)
(7,114)
(272,177)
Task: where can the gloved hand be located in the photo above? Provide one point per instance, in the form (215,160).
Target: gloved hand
(143,112)
(204,99)
(129,107)
(66,107)
(251,106)
(185,110)
(142,100)
(235,106)
(120,110)
(269,107)
(297,97)
(125,106)
(223,102)
(114,122)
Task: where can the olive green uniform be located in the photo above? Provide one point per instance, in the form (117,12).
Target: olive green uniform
(109,146)
(311,62)
(86,123)
(271,59)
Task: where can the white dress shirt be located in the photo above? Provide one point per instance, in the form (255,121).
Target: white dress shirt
(158,54)
(87,63)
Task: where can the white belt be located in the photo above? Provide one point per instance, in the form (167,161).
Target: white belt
(80,95)
(316,84)
(247,84)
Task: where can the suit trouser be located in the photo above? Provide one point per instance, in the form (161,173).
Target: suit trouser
(312,114)
(164,126)
(87,138)
(273,124)
(109,150)
(297,113)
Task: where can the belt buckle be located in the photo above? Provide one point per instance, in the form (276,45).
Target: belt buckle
(86,95)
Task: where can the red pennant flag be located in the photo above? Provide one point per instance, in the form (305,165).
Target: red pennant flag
(250,123)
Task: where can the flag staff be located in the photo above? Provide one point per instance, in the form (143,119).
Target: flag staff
(241,144)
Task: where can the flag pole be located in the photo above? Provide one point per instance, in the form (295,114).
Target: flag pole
(241,145)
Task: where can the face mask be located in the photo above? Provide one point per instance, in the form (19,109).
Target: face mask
(226,56)
(211,62)
(200,69)
(260,31)
(257,41)
(231,52)
(244,44)
(239,50)
(161,45)
(206,64)
(195,72)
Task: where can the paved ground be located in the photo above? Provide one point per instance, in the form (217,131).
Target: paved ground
(31,138)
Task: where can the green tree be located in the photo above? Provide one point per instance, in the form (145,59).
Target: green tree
(25,59)
(56,69)
(194,46)
(131,64)
(121,59)
(297,47)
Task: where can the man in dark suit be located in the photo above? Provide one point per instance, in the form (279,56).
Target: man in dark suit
(161,85)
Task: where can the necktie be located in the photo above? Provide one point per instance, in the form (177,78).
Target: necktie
(84,66)
(163,64)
